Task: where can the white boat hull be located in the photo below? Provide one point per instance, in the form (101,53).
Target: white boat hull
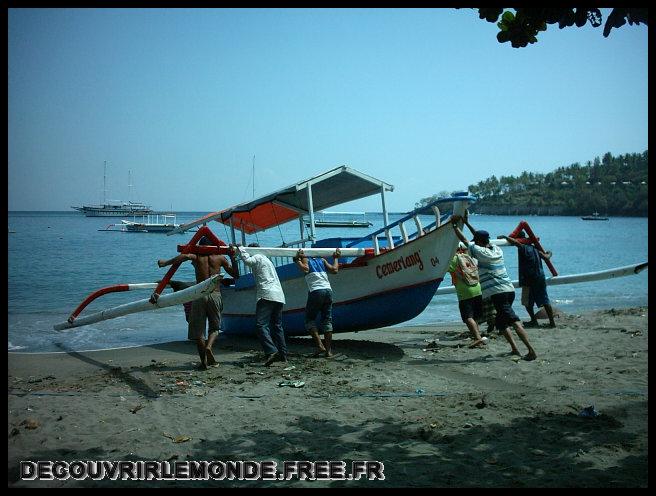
(391,288)
(112,211)
(150,228)
(384,290)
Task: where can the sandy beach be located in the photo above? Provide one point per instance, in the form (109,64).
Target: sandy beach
(417,399)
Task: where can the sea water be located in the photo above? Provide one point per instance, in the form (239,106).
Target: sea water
(56,259)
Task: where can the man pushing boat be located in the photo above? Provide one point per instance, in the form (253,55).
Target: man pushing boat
(320,298)
(270,298)
(495,283)
(207,308)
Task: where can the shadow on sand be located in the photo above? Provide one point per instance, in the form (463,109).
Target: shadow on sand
(544,450)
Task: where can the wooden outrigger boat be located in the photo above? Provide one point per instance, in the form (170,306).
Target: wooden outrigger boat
(386,277)
(391,282)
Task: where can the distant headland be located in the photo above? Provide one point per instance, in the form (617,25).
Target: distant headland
(611,186)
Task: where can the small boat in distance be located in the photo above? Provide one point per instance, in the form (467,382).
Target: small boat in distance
(154,223)
(594,216)
(151,223)
(340,219)
(340,223)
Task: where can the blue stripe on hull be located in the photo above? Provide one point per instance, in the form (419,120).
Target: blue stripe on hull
(382,310)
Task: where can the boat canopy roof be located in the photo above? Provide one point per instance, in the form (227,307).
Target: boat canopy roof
(334,187)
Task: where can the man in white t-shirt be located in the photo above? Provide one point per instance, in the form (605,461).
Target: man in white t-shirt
(320,298)
(268,309)
(495,283)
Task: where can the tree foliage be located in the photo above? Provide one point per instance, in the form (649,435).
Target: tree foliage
(610,185)
(432,198)
(522,27)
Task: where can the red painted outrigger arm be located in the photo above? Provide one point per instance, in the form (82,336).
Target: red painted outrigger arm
(109,289)
(190,247)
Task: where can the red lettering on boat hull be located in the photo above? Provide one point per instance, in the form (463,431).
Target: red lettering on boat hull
(401,263)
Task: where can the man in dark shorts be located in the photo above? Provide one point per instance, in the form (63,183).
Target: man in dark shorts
(470,300)
(320,298)
(209,307)
(489,315)
(532,280)
(495,284)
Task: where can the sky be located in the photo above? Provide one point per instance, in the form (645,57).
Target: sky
(187,102)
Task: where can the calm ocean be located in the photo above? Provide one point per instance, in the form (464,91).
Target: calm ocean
(57,258)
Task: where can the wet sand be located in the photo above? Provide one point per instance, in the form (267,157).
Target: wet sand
(417,399)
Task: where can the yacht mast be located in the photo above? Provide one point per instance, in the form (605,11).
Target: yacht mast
(129,186)
(105,184)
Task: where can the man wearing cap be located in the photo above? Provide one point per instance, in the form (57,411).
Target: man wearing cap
(495,283)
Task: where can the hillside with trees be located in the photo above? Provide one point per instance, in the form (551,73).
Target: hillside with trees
(615,186)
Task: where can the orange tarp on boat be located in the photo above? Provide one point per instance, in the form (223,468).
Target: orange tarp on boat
(334,187)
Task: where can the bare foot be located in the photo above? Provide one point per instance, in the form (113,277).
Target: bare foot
(211,361)
(318,353)
(515,352)
(202,366)
(530,356)
(329,354)
(477,343)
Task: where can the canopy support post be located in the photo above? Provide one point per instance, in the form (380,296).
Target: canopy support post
(382,197)
(311,210)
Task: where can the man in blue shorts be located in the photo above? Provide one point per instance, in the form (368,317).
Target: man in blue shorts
(531,279)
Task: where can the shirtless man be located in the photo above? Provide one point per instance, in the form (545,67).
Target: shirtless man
(207,307)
